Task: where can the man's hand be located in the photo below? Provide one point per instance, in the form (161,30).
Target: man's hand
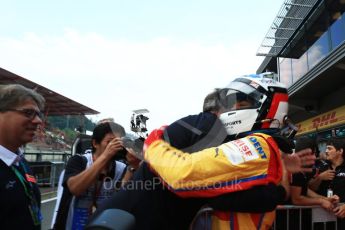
(339,211)
(334,199)
(113,147)
(132,158)
(326,204)
(301,161)
(327,175)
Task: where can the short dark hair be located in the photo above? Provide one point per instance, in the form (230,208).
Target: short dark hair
(211,102)
(220,99)
(103,129)
(337,143)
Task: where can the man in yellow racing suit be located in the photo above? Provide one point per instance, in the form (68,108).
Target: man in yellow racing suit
(247,179)
(231,167)
(234,166)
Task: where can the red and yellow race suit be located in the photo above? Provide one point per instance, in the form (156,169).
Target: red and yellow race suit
(234,166)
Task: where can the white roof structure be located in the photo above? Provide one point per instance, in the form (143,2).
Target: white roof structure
(140,111)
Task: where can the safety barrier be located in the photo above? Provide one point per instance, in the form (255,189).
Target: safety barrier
(38,156)
(47,173)
(292,217)
(288,217)
(47,166)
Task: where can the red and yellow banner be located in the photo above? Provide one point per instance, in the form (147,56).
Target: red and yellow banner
(323,121)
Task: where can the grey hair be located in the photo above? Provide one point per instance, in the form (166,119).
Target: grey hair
(13,95)
(211,102)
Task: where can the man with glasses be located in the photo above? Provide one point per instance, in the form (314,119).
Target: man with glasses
(20,117)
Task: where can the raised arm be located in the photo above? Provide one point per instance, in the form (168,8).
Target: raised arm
(233,166)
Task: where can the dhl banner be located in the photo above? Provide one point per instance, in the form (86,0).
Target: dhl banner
(323,121)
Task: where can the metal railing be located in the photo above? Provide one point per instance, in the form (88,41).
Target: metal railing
(288,217)
(37,156)
(47,173)
(47,166)
(304,217)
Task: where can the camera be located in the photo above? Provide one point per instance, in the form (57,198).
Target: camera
(120,155)
(129,143)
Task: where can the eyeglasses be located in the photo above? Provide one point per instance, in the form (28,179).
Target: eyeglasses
(29,113)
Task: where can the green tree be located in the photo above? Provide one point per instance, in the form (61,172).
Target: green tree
(72,122)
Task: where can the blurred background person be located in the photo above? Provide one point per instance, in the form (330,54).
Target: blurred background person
(302,195)
(299,190)
(331,179)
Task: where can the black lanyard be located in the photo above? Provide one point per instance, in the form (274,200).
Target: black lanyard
(33,206)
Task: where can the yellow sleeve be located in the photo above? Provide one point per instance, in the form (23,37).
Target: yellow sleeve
(241,162)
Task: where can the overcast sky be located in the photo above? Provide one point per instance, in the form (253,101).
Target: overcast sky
(117,56)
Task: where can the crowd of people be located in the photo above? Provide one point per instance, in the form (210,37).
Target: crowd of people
(232,157)
(305,188)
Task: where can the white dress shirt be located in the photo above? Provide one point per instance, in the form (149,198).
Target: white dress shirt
(10,157)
